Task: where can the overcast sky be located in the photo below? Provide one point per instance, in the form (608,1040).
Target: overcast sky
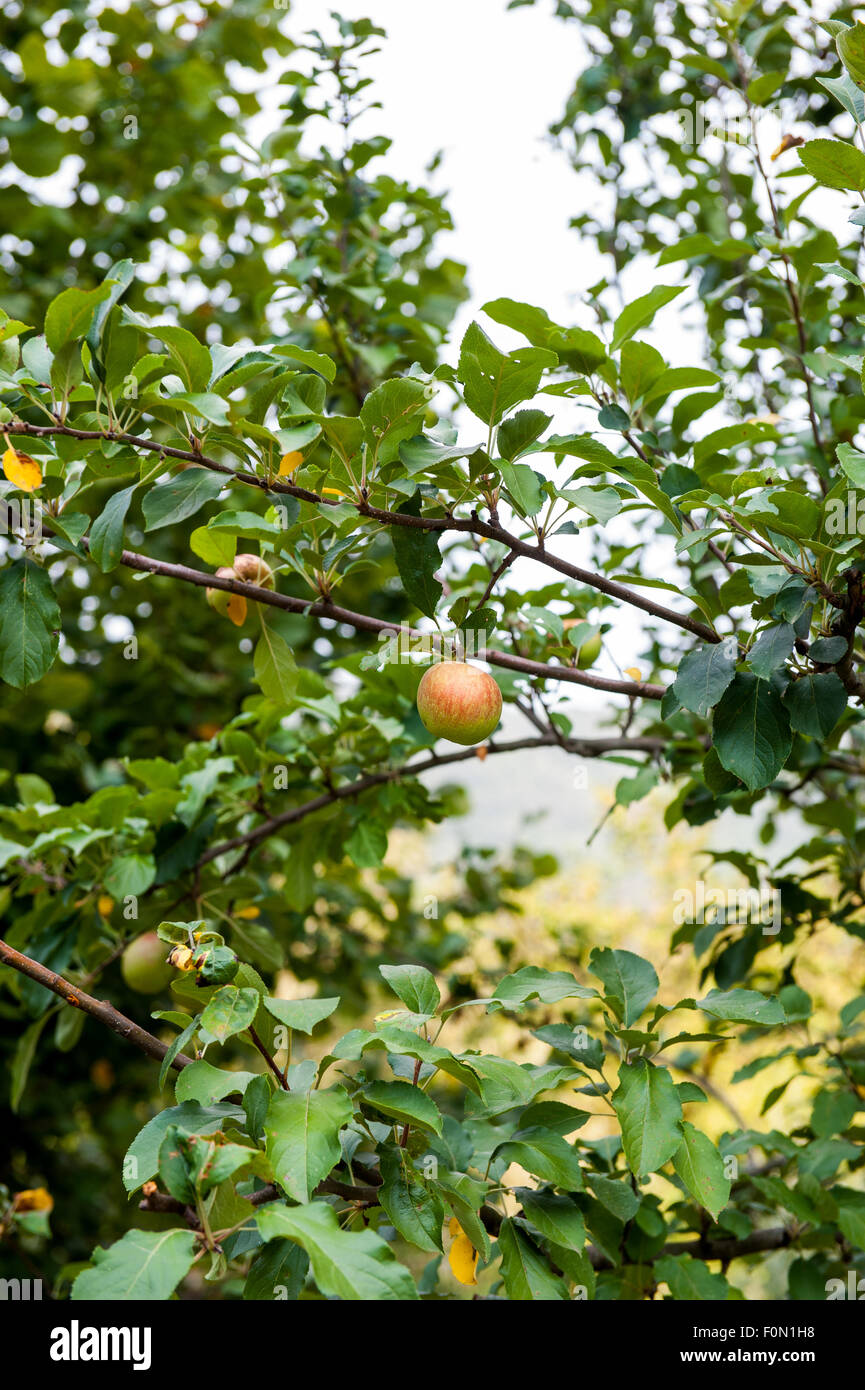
(483,85)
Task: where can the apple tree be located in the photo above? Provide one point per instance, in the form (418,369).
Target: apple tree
(315,499)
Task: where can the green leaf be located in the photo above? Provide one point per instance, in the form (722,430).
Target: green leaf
(230,1010)
(835,164)
(142,1157)
(142,1267)
(22,1061)
(690,1279)
(521,430)
(703,676)
(815,703)
(167,503)
(300,1015)
(354,1265)
(525,1271)
(275,667)
(524,485)
(205,1083)
(213,547)
(743,1006)
(417,558)
(556,1217)
(413,1207)
(641,312)
(771,649)
(203,403)
(279,1265)
(494,383)
(751,731)
(414,985)
(391,414)
(851,48)
(70,315)
(302,1137)
(853,463)
(650,1113)
(130,875)
(366,846)
(545,1154)
(191,358)
(577,348)
(844,89)
(547,986)
(315,360)
(761,88)
(701,1168)
(630,982)
(29,623)
(404,1102)
(106,533)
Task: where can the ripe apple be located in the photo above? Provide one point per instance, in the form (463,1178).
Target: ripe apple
(253,570)
(144,966)
(459,702)
(219,599)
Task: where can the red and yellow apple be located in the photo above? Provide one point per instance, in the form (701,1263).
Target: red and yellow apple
(459,702)
(253,570)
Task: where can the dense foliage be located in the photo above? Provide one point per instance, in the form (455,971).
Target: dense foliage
(227,770)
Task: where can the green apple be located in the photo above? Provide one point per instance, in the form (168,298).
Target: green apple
(589,652)
(144,966)
(459,702)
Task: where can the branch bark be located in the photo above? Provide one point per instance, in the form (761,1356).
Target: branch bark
(98,1008)
(471,525)
(588,748)
(323,608)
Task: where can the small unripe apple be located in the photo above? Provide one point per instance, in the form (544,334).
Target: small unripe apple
(459,702)
(144,966)
(589,652)
(253,570)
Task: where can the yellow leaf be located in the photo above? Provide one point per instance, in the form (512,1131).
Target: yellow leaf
(462,1255)
(104,905)
(249,913)
(236,609)
(289,462)
(33,1199)
(634,672)
(22,470)
(334,491)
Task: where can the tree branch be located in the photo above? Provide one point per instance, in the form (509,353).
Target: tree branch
(473,525)
(323,608)
(588,748)
(98,1008)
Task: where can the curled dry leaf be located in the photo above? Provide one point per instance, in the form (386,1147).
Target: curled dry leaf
(789,142)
